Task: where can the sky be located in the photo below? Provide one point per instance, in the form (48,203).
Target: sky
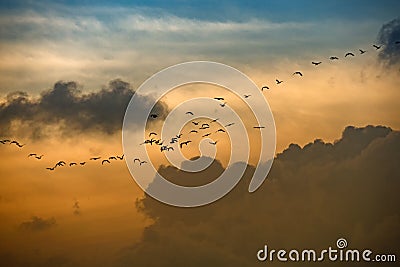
(68,70)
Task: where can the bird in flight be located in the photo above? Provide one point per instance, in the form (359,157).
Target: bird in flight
(136,159)
(164,148)
(259,127)
(121,157)
(264,87)
(32,154)
(214,120)
(207,134)
(60,164)
(50,168)
(214,143)
(316,63)
(39,157)
(72,164)
(219,98)
(153,116)
(193,131)
(362,51)
(205,125)
(152,133)
(334,58)
(142,162)
(114,158)
(178,136)
(220,130)
(195,122)
(298,73)
(82,163)
(397,42)
(223,104)
(105,161)
(4,141)
(278,81)
(170,148)
(189,113)
(185,143)
(246,96)
(377,47)
(16,143)
(229,124)
(95,158)
(173,140)
(349,54)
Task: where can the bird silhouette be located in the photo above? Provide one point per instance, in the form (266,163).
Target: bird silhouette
(214,120)
(397,42)
(159,142)
(50,168)
(136,159)
(349,54)
(189,113)
(223,104)
(32,154)
(170,148)
(16,143)
(95,158)
(264,87)
(142,162)
(105,161)
(82,163)
(178,136)
(185,143)
(163,148)
(121,157)
(193,131)
(362,51)
(152,133)
(4,141)
(112,157)
(195,123)
(39,157)
(205,125)
(259,127)
(220,130)
(60,164)
(230,124)
(246,96)
(72,164)
(278,81)
(334,58)
(213,143)
(173,140)
(153,116)
(377,47)
(207,134)
(298,73)
(219,98)
(316,63)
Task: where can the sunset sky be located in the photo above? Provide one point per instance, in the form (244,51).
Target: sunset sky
(69,68)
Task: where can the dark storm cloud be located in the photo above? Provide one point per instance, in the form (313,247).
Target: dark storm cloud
(66,107)
(38,224)
(313,196)
(388,36)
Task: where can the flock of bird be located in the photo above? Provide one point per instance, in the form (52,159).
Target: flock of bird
(62,163)
(199,127)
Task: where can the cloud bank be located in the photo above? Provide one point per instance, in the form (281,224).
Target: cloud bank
(314,195)
(70,111)
(388,36)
